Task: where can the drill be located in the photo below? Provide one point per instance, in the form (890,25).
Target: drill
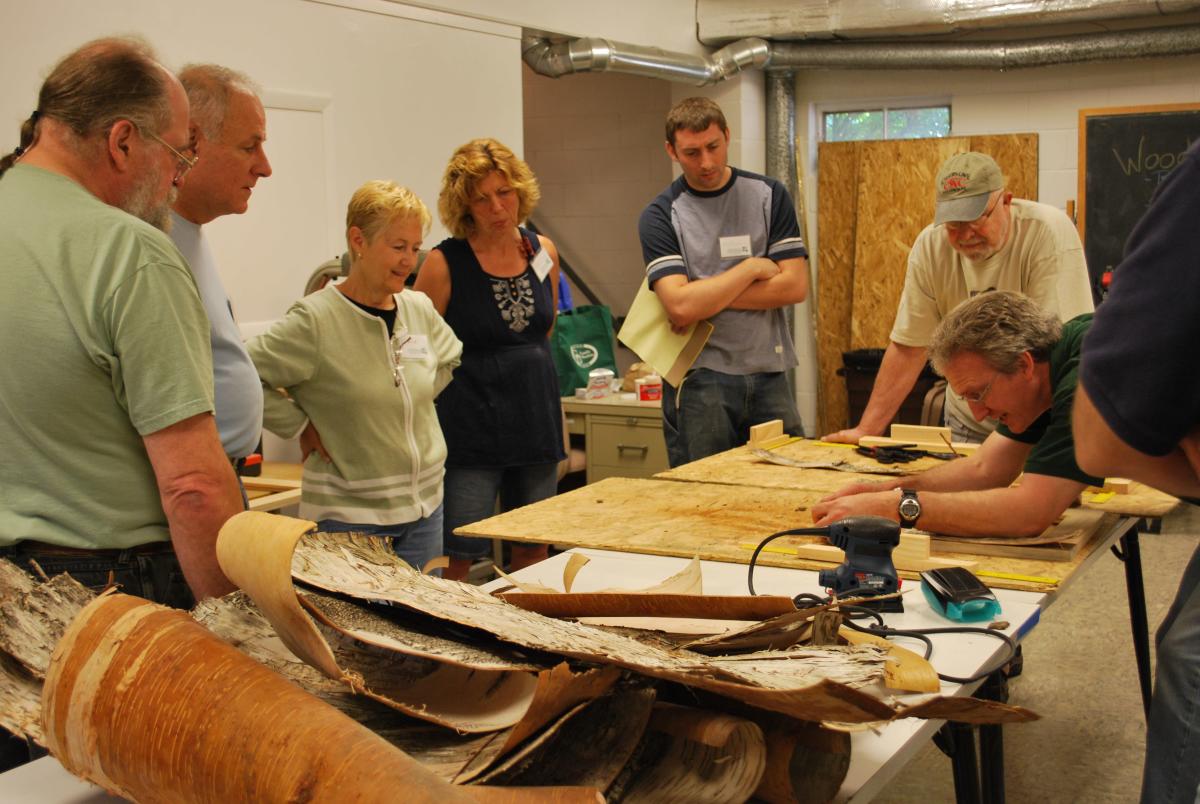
(868,542)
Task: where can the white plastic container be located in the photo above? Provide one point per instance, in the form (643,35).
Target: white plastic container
(599,383)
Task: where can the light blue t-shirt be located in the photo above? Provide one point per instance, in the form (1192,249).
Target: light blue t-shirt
(239,395)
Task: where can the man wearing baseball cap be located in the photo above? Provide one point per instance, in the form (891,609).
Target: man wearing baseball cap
(981,239)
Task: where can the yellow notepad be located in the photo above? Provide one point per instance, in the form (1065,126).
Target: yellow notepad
(647,331)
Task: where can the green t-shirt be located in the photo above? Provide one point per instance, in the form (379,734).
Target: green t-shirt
(1053,453)
(104,340)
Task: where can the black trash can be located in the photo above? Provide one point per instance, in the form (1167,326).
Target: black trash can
(860,366)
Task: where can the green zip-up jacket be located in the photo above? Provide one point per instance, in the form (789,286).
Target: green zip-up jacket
(370,397)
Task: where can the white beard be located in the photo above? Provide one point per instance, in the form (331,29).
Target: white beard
(141,202)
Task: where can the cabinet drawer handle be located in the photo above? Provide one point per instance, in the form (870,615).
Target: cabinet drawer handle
(642,448)
(630,421)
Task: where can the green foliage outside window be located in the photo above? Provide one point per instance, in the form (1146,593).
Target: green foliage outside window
(887,124)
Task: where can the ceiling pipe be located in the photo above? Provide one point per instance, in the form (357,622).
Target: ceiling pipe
(1107,46)
(591,54)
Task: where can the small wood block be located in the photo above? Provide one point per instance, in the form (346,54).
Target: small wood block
(767,435)
(903,560)
(1117,485)
(913,546)
(921,434)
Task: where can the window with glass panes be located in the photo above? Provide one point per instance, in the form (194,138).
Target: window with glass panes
(900,123)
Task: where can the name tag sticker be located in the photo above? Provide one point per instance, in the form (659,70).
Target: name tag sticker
(415,348)
(735,246)
(542,264)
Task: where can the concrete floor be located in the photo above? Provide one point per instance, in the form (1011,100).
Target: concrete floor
(1080,676)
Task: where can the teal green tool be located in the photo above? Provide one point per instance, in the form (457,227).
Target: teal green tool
(955,593)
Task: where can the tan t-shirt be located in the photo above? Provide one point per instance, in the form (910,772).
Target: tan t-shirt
(1043,259)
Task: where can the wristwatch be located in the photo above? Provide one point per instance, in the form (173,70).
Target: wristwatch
(910,508)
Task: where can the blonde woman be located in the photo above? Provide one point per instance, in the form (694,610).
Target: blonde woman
(361,363)
(496,284)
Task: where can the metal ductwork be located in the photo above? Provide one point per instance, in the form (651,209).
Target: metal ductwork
(557,59)
(721,21)
(1108,46)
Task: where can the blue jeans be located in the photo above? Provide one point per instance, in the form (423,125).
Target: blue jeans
(1172,769)
(711,411)
(471,496)
(416,542)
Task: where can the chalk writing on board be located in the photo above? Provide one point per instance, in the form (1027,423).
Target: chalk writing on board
(1124,155)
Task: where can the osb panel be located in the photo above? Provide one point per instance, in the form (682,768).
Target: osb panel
(659,517)
(713,521)
(739,467)
(895,202)
(837,190)
(1017,156)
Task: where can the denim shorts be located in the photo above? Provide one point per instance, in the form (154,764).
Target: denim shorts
(471,496)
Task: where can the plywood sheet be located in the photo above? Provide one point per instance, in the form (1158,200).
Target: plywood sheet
(895,202)
(659,517)
(1141,500)
(740,467)
(837,192)
(1017,156)
(714,522)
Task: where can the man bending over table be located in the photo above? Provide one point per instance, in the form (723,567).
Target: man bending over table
(1012,361)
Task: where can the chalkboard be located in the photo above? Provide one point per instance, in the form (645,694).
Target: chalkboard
(1124,153)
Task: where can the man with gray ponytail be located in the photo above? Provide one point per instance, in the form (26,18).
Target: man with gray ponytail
(1012,361)
(113,470)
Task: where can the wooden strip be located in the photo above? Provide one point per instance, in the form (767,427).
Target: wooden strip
(1060,542)
(275,501)
(714,607)
(270,483)
(920,433)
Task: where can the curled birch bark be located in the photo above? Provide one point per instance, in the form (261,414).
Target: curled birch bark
(149,705)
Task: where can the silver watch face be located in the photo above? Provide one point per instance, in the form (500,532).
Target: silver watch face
(909,508)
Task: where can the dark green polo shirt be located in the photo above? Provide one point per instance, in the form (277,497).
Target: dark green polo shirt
(1053,445)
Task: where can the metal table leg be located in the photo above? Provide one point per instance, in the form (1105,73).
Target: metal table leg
(991,742)
(1130,553)
(977,779)
(957,741)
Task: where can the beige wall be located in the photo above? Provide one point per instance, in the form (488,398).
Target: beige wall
(595,143)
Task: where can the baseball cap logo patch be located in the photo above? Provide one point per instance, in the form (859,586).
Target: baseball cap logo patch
(953,183)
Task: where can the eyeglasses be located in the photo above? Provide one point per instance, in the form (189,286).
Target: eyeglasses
(958,227)
(977,399)
(185,163)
